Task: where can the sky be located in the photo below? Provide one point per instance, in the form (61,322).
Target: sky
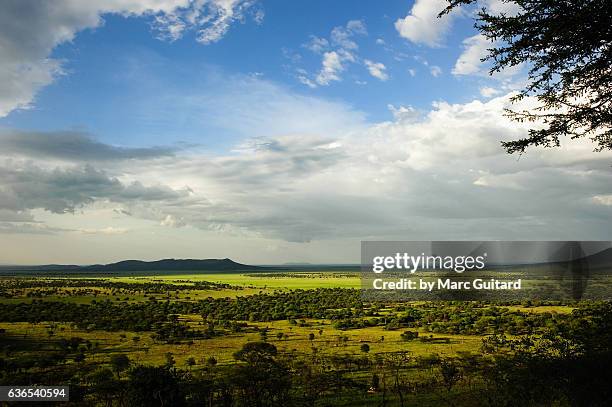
(269,132)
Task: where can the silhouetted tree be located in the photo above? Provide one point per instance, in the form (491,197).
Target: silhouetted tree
(567,46)
(154,386)
(119,363)
(262,380)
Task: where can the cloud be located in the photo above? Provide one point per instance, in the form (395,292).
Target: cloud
(219,110)
(403,113)
(104,231)
(157,184)
(474,50)
(29,228)
(439,170)
(261,161)
(337,52)
(317,44)
(342,36)
(509,8)
(435,71)
(39,228)
(172,222)
(377,69)
(19,82)
(302,76)
(73,146)
(210,19)
(331,68)
(422,25)
(63,190)
(357,27)
(245,107)
(30,30)
(431,174)
(605,200)
(487,92)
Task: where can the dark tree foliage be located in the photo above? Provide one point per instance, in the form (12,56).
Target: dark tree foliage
(120,362)
(528,358)
(154,386)
(568,365)
(254,351)
(567,45)
(103,386)
(262,381)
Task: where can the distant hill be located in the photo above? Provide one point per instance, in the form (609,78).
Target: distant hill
(43,267)
(139,265)
(600,259)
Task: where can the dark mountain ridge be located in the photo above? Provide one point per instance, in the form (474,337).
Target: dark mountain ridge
(139,265)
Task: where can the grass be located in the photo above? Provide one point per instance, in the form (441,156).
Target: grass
(246,284)
(299,280)
(145,350)
(222,348)
(559,309)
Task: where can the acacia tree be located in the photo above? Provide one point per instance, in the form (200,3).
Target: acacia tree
(567,45)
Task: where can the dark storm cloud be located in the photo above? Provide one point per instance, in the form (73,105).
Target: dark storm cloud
(276,161)
(72,146)
(62,190)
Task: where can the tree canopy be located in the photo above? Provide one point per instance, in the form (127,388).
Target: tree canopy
(567,47)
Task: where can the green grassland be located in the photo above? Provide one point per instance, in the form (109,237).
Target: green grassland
(242,285)
(296,339)
(293,280)
(352,333)
(331,341)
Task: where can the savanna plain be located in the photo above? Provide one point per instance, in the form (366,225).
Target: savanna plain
(292,337)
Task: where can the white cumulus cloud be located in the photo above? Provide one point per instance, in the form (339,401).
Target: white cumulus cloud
(31,29)
(331,68)
(337,52)
(474,50)
(435,71)
(377,69)
(422,25)
(416,176)
(487,91)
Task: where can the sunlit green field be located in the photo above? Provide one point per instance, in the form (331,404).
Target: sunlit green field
(333,330)
(243,285)
(295,338)
(298,280)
